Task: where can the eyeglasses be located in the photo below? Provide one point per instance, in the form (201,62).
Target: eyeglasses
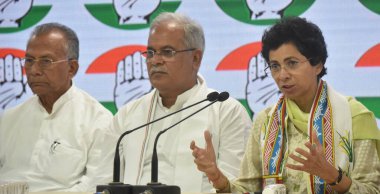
(43,62)
(165,53)
(289,65)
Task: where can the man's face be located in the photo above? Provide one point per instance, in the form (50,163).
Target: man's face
(175,74)
(55,79)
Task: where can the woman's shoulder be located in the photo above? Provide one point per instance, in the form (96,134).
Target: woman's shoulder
(263,114)
(363,121)
(357,107)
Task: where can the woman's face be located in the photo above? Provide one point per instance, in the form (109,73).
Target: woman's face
(293,74)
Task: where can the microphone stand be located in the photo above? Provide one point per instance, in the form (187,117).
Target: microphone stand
(154,175)
(116,162)
(117,187)
(154,185)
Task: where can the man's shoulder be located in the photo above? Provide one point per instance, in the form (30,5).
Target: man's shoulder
(231,101)
(230,107)
(140,102)
(82,98)
(31,102)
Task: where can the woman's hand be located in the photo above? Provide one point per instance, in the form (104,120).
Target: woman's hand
(314,161)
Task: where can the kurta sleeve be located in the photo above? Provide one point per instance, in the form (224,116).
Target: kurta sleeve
(250,169)
(100,155)
(235,125)
(366,173)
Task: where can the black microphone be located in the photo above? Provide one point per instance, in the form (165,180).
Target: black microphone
(116,163)
(223,96)
(154,174)
(118,187)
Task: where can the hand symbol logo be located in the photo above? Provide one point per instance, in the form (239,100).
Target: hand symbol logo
(11,12)
(267,9)
(12,83)
(261,90)
(135,11)
(132,80)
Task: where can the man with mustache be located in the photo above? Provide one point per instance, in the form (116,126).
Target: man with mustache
(54,140)
(173,58)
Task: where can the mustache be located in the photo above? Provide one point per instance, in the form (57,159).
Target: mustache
(157,69)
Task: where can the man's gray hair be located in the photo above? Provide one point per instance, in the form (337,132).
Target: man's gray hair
(72,41)
(194,36)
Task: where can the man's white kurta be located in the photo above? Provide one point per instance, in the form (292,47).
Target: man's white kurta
(60,151)
(227,121)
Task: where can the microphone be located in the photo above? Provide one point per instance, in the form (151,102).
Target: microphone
(223,96)
(118,187)
(116,163)
(154,174)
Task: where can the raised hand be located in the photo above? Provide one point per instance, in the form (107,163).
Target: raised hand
(132,80)
(261,89)
(312,161)
(135,11)
(12,83)
(205,160)
(11,11)
(267,9)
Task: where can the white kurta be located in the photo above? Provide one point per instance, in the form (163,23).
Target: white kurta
(60,151)
(227,121)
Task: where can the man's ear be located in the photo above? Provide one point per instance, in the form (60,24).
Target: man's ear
(197,58)
(74,66)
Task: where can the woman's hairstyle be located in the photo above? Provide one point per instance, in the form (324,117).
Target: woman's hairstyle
(306,36)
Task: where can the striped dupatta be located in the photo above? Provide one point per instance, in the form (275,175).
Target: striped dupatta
(330,118)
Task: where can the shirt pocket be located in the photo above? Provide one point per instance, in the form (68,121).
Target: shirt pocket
(60,161)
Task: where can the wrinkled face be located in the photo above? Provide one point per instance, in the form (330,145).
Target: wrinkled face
(174,74)
(55,79)
(294,75)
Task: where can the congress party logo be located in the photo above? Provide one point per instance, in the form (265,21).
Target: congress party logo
(130,70)
(12,81)
(370,59)
(130,15)
(19,15)
(260,88)
(263,12)
(371,5)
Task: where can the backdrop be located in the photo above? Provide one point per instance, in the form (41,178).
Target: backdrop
(113,33)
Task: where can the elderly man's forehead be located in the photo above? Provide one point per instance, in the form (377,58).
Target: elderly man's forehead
(169,25)
(55,34)
(55,40)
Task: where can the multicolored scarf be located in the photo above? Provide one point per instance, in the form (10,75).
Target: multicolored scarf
(330,118)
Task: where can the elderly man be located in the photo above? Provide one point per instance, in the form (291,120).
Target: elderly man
(53,141)
(173,57)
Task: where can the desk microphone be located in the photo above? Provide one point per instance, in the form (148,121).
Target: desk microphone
(154,174)
(117,187)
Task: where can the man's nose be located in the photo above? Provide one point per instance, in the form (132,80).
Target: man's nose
(35,69)
(156,59)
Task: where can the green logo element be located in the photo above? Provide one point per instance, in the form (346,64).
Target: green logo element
(35,15)
(107,14)
(371,5)
(258,13)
